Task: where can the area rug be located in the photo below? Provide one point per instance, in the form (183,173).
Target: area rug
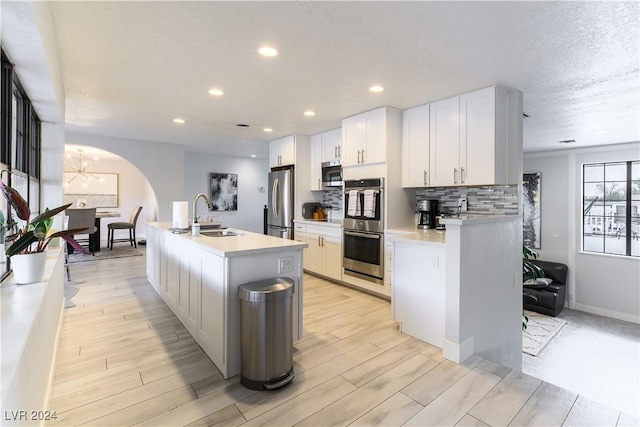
(541,330)
(117,252)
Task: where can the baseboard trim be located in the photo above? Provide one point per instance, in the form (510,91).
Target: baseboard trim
(607,313)
(457,352)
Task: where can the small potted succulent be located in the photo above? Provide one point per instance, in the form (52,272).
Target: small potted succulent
(27,245)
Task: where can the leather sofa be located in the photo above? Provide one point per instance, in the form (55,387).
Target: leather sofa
(549,298)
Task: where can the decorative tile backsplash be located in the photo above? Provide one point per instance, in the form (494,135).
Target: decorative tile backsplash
(498,200)
(332,198)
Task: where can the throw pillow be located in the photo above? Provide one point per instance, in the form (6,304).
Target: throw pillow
(539,283)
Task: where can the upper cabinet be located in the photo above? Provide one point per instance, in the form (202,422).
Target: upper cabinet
(282,152)
(364,138)
(415,147)
(468,139)
(332,145)
(325,147)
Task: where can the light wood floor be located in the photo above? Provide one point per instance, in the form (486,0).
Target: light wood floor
(124,359)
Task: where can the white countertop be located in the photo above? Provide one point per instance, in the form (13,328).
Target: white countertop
(416,235)
(246,243)
(478,219)
(337,223)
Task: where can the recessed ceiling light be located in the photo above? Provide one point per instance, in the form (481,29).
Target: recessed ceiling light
(268,51)
(253,155)
(179,121)
(376,89)
(309,113)
(216,92)
(567,141)
(267,130)
(242,125)
(601,132)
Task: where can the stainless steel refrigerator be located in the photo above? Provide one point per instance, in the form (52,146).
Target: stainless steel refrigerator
(280,208)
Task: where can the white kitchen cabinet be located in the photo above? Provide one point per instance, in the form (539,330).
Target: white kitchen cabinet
(388,262)
(415,147)
(282,151)
(419,291)
(213,294)
(332,145)
(324,254)
(483,137)
(364,138)
(444,142)
(468,139)
(300,235)
(315,162)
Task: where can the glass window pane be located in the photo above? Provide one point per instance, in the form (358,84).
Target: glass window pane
(593,243)
(34,196)
(616,245)
(635,171)
(614,191)
(593,190)
(594,172)
(615,172)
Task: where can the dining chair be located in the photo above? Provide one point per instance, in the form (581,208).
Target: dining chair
(83,218)
(131,226)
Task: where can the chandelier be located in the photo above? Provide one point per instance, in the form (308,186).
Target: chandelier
(79,167)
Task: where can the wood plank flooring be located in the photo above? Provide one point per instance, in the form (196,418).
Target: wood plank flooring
(124,359)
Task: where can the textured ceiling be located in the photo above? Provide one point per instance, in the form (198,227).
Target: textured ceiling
(129,68)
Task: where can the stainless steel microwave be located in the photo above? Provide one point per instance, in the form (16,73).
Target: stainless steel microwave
(332,174)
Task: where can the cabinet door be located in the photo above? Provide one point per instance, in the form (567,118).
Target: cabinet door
(332,145)
(315,162)
(332,249)
(415,147)
(173,272)
(211,324)
(282,151)
(477,137)
(444,142)
(375,147)
(314,254)
(195,283)
(419,291)
(353,135)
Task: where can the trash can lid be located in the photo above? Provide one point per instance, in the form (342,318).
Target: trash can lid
(266,289)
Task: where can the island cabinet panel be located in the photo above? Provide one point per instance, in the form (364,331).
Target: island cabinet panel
(152,254)
(211,325)
(419,291)
(173,271)
(192,314)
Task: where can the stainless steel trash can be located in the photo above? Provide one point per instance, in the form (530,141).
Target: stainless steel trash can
(267,340)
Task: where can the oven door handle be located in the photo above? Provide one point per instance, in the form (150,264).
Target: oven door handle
(365,235)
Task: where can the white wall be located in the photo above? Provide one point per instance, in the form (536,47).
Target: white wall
(601,284)
(252,174)
(162,164)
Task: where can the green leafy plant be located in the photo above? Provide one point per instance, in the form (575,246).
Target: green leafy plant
(36,234)
(529,271)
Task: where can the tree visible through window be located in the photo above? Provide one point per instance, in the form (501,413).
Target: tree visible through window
(611,205)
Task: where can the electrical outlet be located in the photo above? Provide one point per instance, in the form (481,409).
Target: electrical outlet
(462,202)
(285,265)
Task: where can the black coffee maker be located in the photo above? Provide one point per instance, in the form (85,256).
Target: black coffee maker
(427,211)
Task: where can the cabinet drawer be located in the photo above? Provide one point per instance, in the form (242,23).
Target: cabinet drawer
(325,230)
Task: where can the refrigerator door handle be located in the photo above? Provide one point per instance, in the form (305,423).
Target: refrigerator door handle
(274,196)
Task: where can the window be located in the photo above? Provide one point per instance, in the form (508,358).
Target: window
(611,208)
(20,149)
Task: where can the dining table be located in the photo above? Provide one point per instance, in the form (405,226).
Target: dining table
(94,239)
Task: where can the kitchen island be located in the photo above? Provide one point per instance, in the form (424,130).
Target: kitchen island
(198,278)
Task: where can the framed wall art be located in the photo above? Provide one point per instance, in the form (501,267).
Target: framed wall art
(531,210)
(223,191)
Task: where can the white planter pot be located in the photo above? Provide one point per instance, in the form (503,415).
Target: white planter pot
(28,268)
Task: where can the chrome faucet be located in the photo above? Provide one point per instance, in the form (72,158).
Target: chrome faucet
(195,200)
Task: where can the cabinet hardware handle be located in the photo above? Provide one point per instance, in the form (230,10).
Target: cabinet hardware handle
(319,184)
(335,151)
(358,156)
(455,175)
(319,244)
(462,175)
(362,156)
(322,241)
(425,178)
(339,150)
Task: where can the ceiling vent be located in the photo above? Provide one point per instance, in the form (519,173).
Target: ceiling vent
(242,125)
(567,141)
(525,115)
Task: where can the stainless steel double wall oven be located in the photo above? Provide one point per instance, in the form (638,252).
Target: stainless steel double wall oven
(363,240)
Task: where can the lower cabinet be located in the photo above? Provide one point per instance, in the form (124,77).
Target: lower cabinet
(419,291)
(324,254)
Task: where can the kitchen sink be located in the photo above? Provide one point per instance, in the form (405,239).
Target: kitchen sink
(220,233)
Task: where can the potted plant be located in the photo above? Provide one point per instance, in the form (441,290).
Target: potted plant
(529,271)
(29,242)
